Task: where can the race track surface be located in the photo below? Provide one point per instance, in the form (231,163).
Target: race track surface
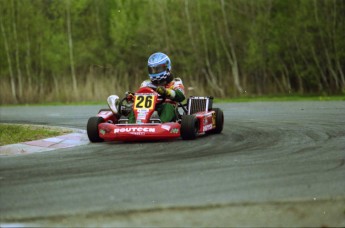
(273,160)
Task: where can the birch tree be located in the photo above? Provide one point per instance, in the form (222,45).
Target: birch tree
(12,79)
(70,45)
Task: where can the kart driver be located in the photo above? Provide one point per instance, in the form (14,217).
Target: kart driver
(161,78)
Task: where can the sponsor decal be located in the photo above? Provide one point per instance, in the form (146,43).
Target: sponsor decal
(143,111)
(208,118)
(104,131)
(137,133)
(134,129)
(141,116)
(214,119)
(207,127)
(166,127)
(174,131)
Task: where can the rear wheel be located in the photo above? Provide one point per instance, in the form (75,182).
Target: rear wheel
(189,127)
(219,122)
(92,129)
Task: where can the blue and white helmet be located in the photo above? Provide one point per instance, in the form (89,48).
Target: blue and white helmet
(159,67)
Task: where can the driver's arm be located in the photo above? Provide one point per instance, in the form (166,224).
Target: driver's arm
(179,90)
(179,95)
(175,94)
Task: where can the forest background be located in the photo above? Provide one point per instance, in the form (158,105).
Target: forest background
(85,50)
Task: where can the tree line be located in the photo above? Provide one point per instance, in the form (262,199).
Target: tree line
(84,50)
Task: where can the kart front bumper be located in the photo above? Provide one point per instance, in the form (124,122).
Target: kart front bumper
(138,132)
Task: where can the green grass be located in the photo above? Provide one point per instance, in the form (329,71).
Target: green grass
(59,103)
(281,98)
(10,134)
(278,98)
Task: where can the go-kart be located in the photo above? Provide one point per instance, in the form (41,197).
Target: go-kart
(194,118)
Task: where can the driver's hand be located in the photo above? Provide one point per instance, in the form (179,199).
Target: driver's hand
(161,90)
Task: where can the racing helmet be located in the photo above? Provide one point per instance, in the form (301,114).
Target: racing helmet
(159,67)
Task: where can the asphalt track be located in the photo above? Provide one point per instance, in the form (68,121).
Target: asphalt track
(275,164)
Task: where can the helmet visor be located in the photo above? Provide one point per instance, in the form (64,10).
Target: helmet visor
(157,69)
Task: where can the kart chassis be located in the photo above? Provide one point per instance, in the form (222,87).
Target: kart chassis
(195,118)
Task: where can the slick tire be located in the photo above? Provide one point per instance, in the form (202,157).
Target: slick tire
(189,127)
(219,122)
(92,129)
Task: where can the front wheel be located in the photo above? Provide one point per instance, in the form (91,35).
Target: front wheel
(92,129)
(189,127)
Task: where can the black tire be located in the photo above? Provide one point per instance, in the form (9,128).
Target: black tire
(92,129)
(219,122)
(189,127)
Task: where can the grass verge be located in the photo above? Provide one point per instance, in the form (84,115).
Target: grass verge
(15,133)
(281,98)
(217,100)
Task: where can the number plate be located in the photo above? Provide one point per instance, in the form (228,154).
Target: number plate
(144,102)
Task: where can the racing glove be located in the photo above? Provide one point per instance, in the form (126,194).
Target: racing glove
(165,92)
